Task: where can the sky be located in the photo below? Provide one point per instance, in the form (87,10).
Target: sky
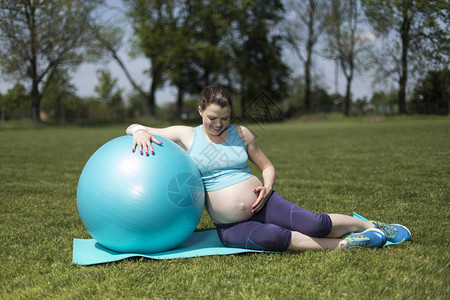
(85,77)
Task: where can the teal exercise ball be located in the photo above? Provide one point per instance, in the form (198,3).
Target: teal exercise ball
(135,203)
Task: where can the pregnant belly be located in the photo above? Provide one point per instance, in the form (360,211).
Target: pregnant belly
(234,203)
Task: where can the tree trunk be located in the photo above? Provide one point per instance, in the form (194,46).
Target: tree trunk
(151,99)
(348,95)
(180,96)
(157,80)
(336,76)
(404,33)
(34,94)
(35,104)
(150,102)
(402,88)
(308,62)
(308,84)
(124,68)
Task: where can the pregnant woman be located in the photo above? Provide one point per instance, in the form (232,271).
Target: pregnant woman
(247,213)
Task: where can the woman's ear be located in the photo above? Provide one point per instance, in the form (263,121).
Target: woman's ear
(200,111)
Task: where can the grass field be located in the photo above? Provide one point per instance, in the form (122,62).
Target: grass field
(393,170)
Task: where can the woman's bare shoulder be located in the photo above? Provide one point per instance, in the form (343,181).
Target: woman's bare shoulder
(245,134)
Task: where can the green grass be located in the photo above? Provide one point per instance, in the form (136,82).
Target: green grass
(393,170)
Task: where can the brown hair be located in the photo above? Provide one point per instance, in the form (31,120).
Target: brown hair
(215,94)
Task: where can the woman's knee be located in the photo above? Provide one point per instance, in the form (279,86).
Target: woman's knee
(321,227)
(270,237)
(254,235)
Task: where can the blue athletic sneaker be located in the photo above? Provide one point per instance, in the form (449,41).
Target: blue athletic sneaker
(373,238)
(394,233)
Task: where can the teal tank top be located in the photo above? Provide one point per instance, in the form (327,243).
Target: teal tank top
(221,165)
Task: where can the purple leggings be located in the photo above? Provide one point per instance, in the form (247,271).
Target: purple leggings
(270,228)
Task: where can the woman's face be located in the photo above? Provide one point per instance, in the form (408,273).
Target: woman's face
(215,118)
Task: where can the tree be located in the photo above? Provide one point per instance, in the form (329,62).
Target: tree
(38,38)
(383,102)
(106,87)
(201,55)
(413,38)
(108,92)
(345,43)
(16,100)
(180,60)
(109,35)
(256,52)
(303,30)
(384,98)
(321,100)
(60,96)
(152,23)
(431,94)
(196,43)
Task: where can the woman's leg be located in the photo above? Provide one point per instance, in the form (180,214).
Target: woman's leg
(343,224)
(372,237)
(254,235)
(281,225)
(261,236)
(281,212)
(301,242)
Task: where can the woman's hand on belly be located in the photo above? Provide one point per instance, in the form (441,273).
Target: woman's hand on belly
(262,194)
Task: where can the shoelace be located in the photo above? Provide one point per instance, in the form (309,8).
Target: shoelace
(357,240)
(388,230)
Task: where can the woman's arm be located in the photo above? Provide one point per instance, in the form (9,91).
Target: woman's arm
(257,156)
(143,136)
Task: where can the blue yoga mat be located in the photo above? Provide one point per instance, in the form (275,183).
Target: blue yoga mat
(202,243)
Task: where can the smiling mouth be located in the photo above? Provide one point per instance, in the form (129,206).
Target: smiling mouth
(217,130)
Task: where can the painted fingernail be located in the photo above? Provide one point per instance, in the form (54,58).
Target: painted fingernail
(142,152)
(146,153)
(253,211)
(133,150)
(153,152)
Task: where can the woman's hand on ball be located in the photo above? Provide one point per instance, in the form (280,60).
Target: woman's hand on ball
(143,140)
